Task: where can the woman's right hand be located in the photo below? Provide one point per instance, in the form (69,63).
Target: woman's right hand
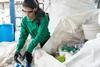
(17,54)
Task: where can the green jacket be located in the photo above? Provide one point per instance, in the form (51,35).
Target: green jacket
(39,33)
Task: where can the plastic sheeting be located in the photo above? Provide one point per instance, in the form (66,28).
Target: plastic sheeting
(62,8)
(6,55)
(42,59)
(69,30)
(88,56)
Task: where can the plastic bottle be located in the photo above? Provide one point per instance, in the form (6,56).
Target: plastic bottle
(17,65)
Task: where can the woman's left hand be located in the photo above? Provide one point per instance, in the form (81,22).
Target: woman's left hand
(28,57)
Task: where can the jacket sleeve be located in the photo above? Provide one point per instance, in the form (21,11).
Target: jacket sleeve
(40,35)
(23,36)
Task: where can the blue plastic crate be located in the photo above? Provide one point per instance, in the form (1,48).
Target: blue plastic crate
(7,32)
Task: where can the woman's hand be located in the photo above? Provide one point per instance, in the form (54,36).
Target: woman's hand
(17,54)
(28,57)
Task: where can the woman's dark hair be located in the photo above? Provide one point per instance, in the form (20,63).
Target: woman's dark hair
(30,3)
(34,4)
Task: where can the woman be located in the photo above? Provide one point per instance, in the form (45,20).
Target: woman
(34,23)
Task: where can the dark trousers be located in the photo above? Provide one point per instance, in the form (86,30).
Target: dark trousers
(42,44)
